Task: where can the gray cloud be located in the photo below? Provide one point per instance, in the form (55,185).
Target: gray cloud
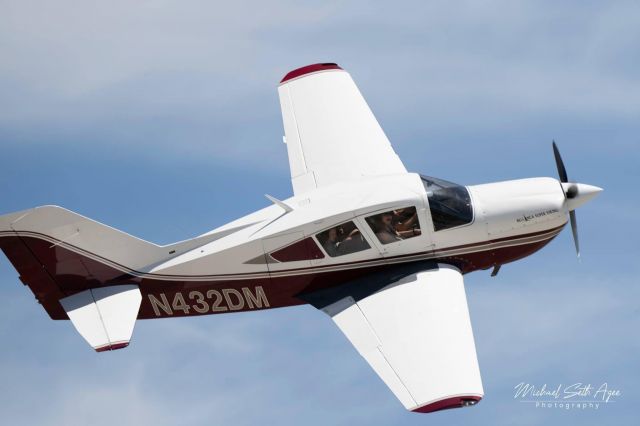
(465,90)
(200,78)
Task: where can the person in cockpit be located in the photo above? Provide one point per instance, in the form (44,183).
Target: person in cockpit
(389,229)
(331,244)
(385,231)
(406,222)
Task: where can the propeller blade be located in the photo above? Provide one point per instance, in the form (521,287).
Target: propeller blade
(562,172)
(574,230)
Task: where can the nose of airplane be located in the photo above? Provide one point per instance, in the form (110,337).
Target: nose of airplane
(578,194)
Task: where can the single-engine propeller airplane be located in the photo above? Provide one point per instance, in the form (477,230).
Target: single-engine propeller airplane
(380,250)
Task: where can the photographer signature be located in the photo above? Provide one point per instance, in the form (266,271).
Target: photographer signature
(576,391)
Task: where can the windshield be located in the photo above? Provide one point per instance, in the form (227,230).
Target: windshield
(450,203)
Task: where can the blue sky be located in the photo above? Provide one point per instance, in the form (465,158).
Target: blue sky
(161,118)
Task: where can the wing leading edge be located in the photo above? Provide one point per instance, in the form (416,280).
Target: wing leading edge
(331,134)
(416,334)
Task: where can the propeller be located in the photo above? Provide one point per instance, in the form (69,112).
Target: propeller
(570,192)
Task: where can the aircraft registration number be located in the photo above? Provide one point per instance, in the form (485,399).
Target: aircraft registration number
(210,301)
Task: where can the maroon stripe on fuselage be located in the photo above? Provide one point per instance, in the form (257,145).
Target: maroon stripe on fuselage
(127,272)
(70,272)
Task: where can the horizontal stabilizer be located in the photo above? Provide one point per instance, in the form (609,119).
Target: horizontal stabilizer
(104,316)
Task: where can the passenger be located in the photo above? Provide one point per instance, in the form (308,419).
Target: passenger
(353,243)
(331,245)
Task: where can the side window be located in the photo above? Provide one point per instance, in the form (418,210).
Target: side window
(395,225)
(343,239)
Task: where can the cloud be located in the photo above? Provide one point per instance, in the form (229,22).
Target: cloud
(174,105)
(198,79)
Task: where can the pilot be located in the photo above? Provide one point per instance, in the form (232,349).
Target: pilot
(389,232)
(386,233)
(406,222)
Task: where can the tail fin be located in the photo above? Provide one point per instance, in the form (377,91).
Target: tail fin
(59,253)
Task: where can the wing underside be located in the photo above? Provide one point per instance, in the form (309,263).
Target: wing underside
(416,334)
(331,134)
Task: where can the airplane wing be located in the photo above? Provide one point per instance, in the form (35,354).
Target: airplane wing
(331,134)
(414,332)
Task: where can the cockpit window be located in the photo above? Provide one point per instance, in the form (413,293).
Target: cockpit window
(343,239)
(450,203)
(395,225)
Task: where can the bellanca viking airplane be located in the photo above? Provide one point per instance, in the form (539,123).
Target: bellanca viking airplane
(380,250)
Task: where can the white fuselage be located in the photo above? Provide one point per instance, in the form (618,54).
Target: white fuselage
(500,210)
(282,251)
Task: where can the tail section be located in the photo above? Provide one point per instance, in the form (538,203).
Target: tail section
(59,253)
(82,270)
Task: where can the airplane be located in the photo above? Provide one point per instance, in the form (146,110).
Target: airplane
(381,250)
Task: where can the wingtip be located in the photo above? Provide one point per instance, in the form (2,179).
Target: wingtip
(308,69)
(449,403)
